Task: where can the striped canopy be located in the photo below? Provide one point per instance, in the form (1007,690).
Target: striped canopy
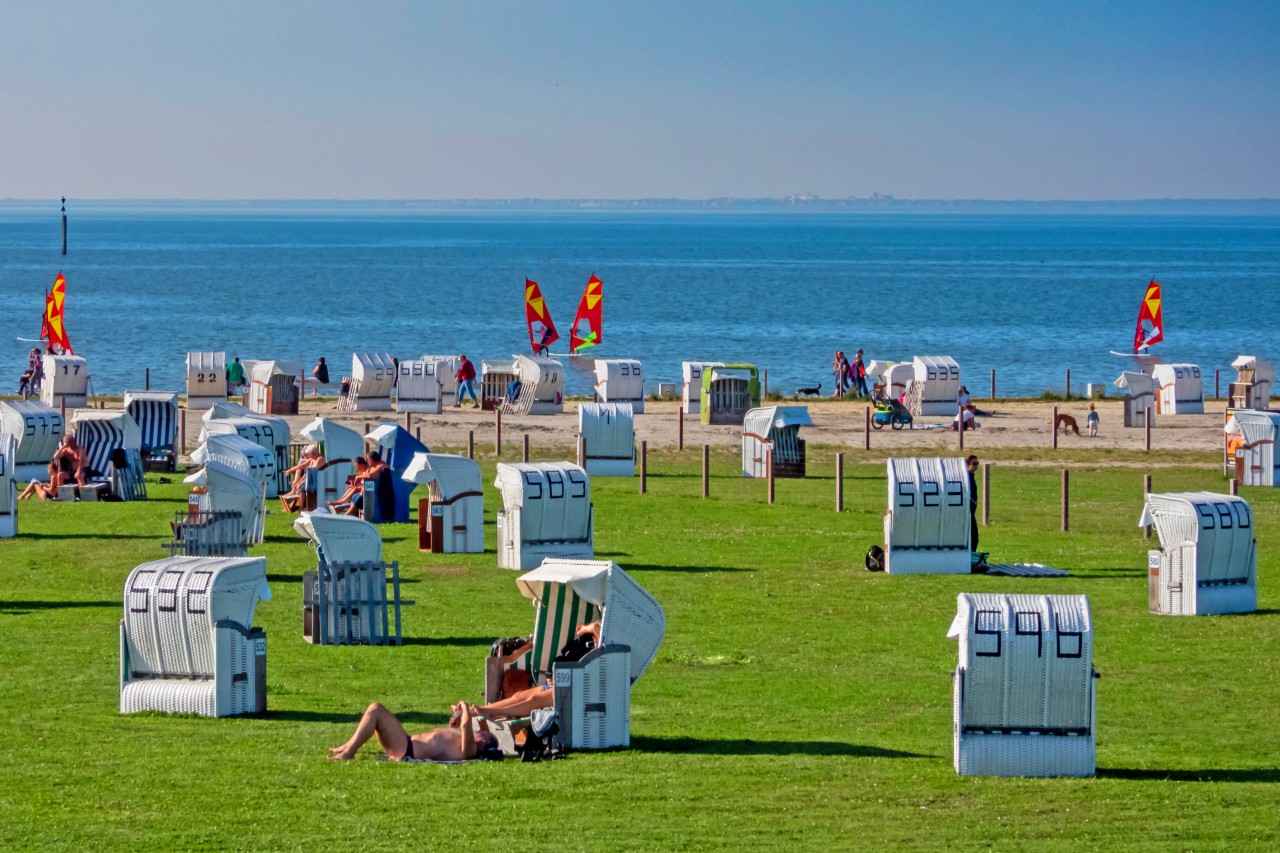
(101,431)
(157,415)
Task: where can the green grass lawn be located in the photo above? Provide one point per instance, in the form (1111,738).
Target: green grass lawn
(797,700)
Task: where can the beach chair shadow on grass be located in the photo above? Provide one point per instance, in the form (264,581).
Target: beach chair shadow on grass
(1257,774)
(653,567)
(748,746)
(23,608)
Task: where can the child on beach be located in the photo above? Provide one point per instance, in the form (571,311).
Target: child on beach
(1092,421)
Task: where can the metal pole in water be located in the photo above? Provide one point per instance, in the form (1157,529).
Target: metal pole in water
(64,225)
(993,383)
(1068,397)
(147,381)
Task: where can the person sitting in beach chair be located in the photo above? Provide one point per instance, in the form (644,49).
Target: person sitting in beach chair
(355,486)
(458,741)
(522,703)
(70,462)
(310,458)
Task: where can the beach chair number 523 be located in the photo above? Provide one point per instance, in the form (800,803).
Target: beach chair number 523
(930,492)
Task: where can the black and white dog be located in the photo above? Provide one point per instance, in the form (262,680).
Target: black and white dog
(815,391)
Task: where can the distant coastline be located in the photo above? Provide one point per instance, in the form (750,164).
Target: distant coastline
(875,204)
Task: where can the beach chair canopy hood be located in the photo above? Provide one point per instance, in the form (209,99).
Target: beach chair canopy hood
(156,413)
(336,441)
(341,538)
(102,431)
(630,615)
(452,475)
(37,428)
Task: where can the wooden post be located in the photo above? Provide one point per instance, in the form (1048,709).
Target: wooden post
(768,473)
(582,451)
(63,404)
(706,470)
(302,383)
(497,431)
(680,425)
(1146,490)
(182,429)
(1233,487)
(525,456)
(1146,429)
(407,416)
(418,432)
(1217,384)
(960,415)
(147,381)
(986,493)
(839,482)
(1068,397)
(866,429)
(367,428)
(644,467)
(993,383)
(1066,495)
(1054,426)
(765,395)
(471,444)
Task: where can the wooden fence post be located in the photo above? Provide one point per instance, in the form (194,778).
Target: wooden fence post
(582,451)
(839,482)
(1055,427)
(1217,384)
(1233,487)
(417,433)
(866,429)
(471,444)
(525,456)
(182,429)
(497,431)
(706,470)
(1146,430)
(680,427)
(407,423)
(1068,397)
(766,383)
(644,467)
(986,493)
(960,416)
(993,383)
(1066,495)
(1146,490)
(768,473)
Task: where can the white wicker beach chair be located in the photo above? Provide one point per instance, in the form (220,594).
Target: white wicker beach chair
(1255,462)
(373,375)
(620,380)
(1252,388)
(1140,402)
(776,430)
(496,376)
(419,387)
(1024,696)
(592,695)
(1208,557)
(266,430)
(935,386)
(186,641)
(8,488)
(37,428)
(339,445)
(541,386)
(609,439)
(206,379)
(234,493)
(927,524)
(273,387)
(1179,389)
(451,518)
(352,596)
(547,513)
(66,381)
(691,387)
(243,455)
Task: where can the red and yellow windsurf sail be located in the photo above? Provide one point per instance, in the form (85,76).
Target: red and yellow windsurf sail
(542,331)
(589,322)
(53,328)
(1150,319)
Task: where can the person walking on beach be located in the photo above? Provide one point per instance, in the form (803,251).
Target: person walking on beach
(466,382)
(840,367)
(859,373)
(235,375)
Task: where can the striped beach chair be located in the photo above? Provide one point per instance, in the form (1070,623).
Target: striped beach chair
(156,413)
(593,694)
(112,442)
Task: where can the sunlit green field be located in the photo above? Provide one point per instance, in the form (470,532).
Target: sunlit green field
(797,700)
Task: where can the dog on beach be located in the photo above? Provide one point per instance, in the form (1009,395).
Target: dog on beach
(1066,423)
(815,391)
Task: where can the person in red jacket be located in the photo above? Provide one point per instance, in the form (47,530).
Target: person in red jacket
(466,382)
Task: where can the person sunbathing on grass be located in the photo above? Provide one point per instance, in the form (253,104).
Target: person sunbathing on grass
(36,489)
(525,702)
(455,742)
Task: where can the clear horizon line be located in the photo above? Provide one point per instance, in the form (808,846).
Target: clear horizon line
(788,199)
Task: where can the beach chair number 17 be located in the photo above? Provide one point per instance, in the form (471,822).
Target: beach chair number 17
(66,370)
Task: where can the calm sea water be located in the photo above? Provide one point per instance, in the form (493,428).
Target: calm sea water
(1027,295)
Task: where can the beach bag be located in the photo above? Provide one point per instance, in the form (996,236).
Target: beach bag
(576,649)
(540,743)
(875,559)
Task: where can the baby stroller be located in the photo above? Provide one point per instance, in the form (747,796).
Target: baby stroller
(891,413)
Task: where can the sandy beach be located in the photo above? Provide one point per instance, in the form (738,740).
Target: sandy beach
(1008,424)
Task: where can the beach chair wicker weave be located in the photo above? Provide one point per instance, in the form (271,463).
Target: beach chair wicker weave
(1208,557)
(1024,694)
(186,645)
(451,518)
(609,438)
(546,512)
(8,488)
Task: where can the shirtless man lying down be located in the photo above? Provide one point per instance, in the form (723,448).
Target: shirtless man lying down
(448,743)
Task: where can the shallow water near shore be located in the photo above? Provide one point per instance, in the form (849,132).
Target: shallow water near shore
(1028,296)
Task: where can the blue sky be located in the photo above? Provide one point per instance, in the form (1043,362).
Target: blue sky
(294,100)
